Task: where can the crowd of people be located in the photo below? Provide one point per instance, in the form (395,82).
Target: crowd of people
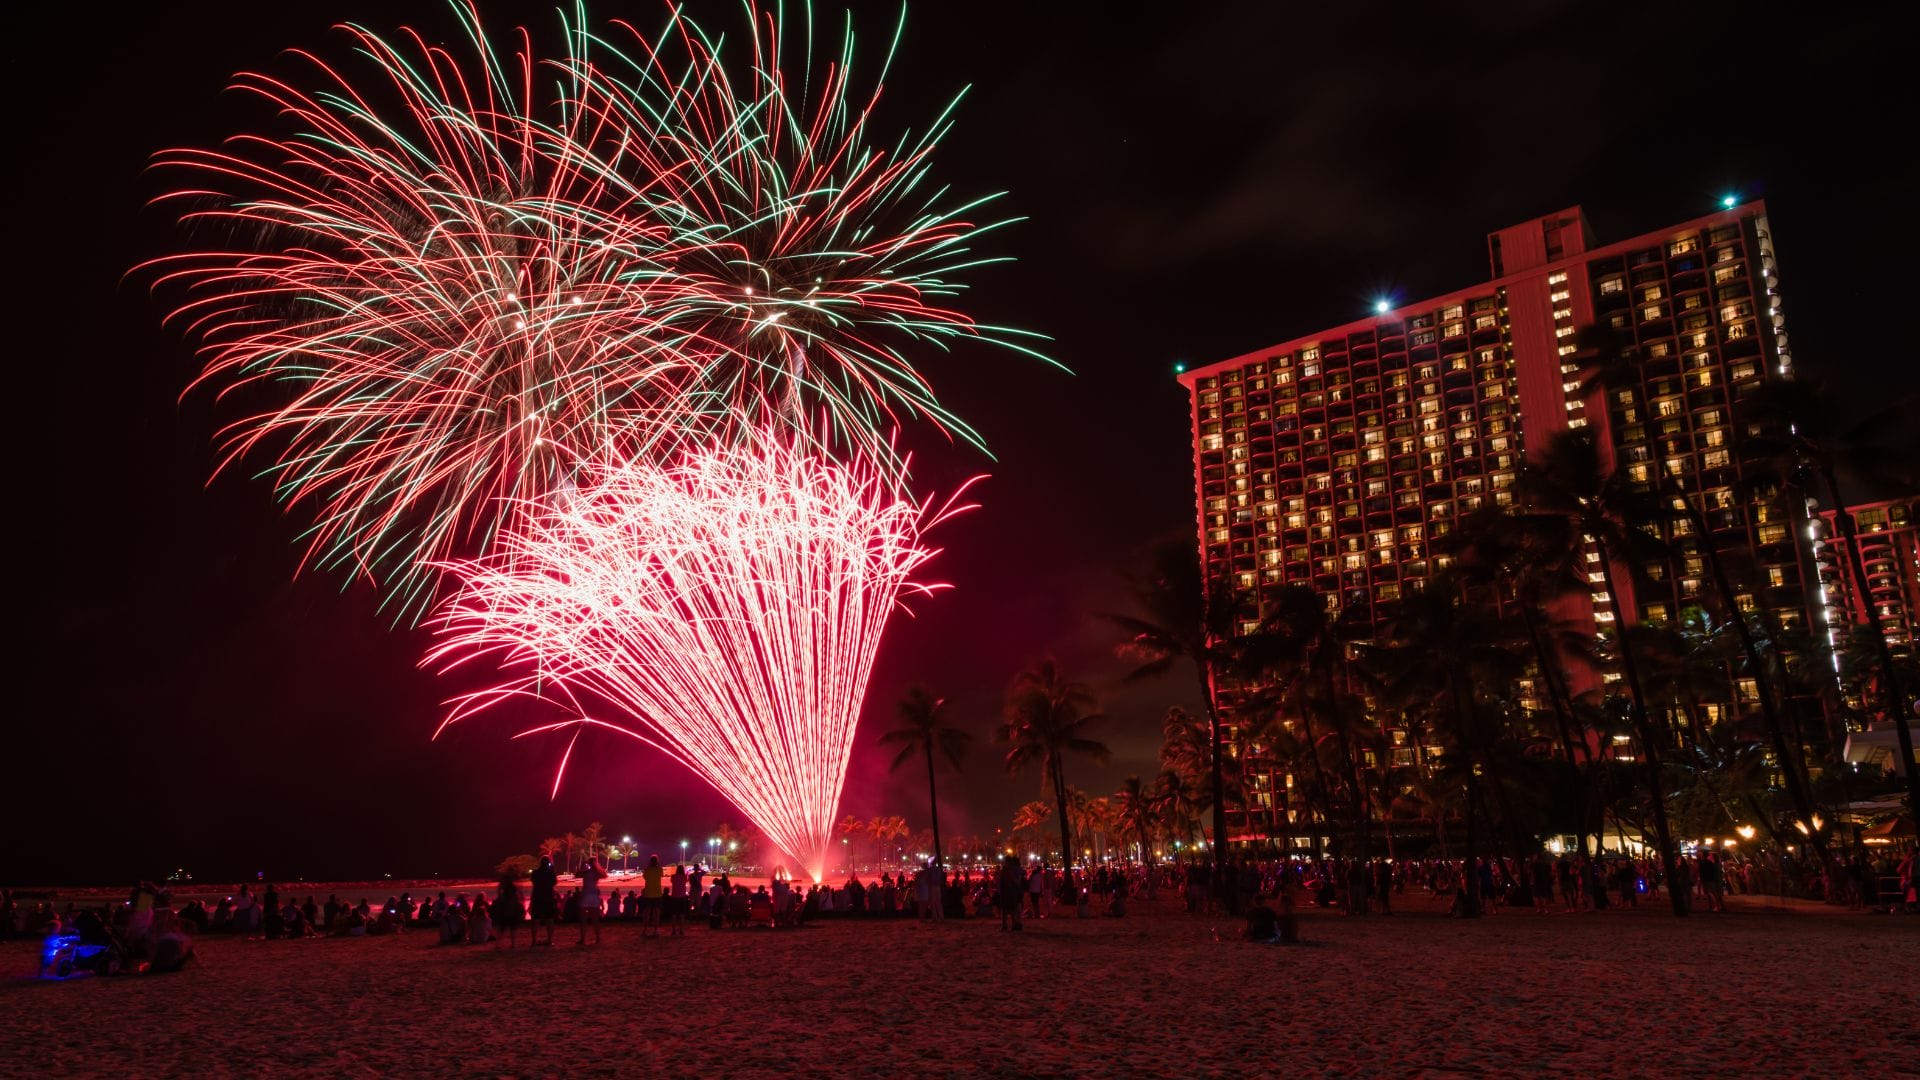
(1546,882)
(148,930)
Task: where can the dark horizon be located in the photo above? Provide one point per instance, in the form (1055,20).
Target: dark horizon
(1193,191)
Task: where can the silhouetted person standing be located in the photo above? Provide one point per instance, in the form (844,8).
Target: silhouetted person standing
(545,906)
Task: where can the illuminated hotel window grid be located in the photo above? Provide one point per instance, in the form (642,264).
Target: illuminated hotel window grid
(1337,464)
(1702,353)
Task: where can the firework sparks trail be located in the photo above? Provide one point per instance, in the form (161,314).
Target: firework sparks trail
(729,608)
(452,259)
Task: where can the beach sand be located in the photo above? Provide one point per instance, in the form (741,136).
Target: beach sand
(1770,989)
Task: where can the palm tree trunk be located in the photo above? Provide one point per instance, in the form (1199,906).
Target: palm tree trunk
(1060,807)
(1346,754)
(1648,744)
(1216,738)
(1471,879)
(1563,719)
(1889,675)
(1319,770)
(1792,764)
(933,807)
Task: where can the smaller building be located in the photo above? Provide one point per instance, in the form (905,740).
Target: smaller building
(1889,537)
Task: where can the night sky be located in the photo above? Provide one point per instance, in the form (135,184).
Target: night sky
(1197,187)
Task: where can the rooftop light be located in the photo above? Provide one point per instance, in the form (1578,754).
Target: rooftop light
(1730,201)
(1382,306)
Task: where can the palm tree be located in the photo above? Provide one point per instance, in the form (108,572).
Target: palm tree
(732,839)
(1178,804)
(923,728)
(590,837)
(569,842)
(551,847)
(1430,801)
(1262,735)
(1306,651)
(1795,435)
(1046,718)
(1081,812)
(1569,479)
(1452,656)
(1533,559)
(1187,618)
(1186,743)
(1028,822)
(1611,361)
(1133,814)
(850,830)
(886,829)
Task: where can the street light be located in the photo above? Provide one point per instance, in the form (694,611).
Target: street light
(626,852)
(683,852)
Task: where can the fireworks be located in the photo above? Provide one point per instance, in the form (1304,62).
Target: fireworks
(727,610)
(445,269)
(473,297)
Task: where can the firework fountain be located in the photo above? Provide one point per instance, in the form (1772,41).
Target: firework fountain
(613,337)
(727,610)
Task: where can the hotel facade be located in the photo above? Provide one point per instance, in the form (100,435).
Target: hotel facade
(1341,459)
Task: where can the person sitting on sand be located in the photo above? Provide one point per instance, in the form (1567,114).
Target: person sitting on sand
(506,911)
(453,926)
(1289,905)
(173,948)
(387,922)
(352,921)
(479,921)
(1263,924)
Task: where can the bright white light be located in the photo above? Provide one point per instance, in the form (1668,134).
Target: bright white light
(1381,307)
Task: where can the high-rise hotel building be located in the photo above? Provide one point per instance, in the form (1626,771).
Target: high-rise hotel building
(1336,459)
